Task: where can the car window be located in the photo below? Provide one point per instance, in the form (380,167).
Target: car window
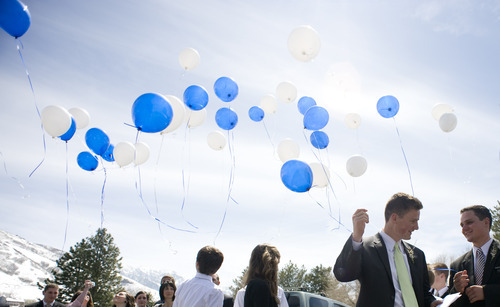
(317,302)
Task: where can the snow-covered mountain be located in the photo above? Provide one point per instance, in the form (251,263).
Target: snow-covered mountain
(23,264)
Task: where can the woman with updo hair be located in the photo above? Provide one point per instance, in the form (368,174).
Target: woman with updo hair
(167,294)
(261,279)
(123,299)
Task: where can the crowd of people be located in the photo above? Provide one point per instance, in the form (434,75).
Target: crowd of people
(390,271)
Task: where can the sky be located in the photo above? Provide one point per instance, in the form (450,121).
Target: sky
(102,55)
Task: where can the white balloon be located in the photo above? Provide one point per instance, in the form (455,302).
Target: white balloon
(141,153)
(286,92)
(196,118)
(124,153)
(356,165)
(179,112)
(439,109)
(269,104)
(321,174)
(352,120)
(56,120)
(304,43)
(189,58)
(448,122)
(81,117)
(216,140)
(288,150)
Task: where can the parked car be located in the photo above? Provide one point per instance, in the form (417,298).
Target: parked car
(306,299)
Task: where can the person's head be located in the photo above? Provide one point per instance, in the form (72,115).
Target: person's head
(123,299)
(167,291)
(441,272)
(87,302)
(215,279)
(431,274)
(141,298)
(402,213)
(476,224)
(209,260)
(50,293)
(166,278)
(264,264)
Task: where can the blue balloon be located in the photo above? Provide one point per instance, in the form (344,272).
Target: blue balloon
(388,106)
(15,17)
(226,89)
(319,139)
(108,155)
(151,113)
(256,114)
(226,118)
(71,131)
(297,176)
(87,161)
(97,140)
(316,118)
(305,103)
(195,97)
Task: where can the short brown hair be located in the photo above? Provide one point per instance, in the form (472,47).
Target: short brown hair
(441,268)
(209,260)
(480,211)
(50,286)
(400,203)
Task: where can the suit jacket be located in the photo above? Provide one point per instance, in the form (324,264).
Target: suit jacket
(228,301)
(491,276)
(40,304)
(370,265)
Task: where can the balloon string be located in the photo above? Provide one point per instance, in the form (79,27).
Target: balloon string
(230,138)
(330,215)
(67,201)
(7,173)
(268,135)
(185,187)
(138,187)
(102,193)
(404,155)
(156,173)
(19,48)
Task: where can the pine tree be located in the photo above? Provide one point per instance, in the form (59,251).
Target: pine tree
(95,258)
(495,227)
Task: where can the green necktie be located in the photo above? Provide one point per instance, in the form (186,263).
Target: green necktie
(407,292)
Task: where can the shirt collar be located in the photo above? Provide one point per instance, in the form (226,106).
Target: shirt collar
(389,242)
(203,276)
(485,248)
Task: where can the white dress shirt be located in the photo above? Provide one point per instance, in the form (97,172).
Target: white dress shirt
(239,300)
(199,291)
(389,245)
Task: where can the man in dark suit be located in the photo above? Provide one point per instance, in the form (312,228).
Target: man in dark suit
(476,274)
(50,293)
(387,277)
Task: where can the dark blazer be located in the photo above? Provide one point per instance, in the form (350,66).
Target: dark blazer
(228,301)
(491,277)
(40,304)
(370,265)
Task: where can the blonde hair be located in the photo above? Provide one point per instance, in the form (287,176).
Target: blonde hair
(264,265)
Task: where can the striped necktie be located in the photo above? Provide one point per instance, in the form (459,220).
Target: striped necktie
(479,269)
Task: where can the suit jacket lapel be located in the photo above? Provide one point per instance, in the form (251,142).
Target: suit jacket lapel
(468,264)
(379,246)
(411,262)
(490,260)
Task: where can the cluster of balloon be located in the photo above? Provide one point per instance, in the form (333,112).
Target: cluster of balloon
(226,89)
(15,17)
(445,115)
(98,142)
(59,122)
(304,43)
(189,58)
